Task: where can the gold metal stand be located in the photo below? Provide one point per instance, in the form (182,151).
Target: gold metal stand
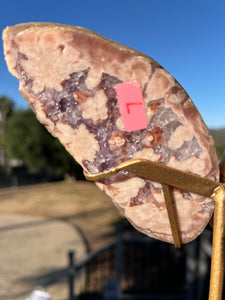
(171,177)
(171,215)
(217,262)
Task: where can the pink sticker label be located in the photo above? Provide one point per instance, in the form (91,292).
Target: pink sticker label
(131,105)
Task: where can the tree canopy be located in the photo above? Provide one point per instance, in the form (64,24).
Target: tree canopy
(28,140)
(6,107)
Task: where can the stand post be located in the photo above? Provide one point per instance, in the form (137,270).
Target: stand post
(217,262)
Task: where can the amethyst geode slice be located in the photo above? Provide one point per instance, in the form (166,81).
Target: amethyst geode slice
(69,74)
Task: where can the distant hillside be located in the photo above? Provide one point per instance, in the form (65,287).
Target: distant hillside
(219,137)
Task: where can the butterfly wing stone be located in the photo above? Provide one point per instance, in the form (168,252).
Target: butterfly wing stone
(69,76)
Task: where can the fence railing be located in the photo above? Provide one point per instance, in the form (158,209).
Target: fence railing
(142,268)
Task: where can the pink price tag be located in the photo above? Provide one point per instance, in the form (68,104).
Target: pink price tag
(131,105)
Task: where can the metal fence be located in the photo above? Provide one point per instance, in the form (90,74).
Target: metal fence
(142,268)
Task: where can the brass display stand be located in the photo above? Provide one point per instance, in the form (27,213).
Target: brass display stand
(172,177)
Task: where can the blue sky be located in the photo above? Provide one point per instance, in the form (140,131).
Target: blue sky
(185,37)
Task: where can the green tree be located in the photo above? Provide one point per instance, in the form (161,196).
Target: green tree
(219,138)
(28,140)
(6,108)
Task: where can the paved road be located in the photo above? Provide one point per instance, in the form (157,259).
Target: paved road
(34,252)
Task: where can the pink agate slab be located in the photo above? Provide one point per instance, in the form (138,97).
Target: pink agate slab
(69,76)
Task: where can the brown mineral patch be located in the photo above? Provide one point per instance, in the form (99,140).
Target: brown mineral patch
(116,140)
(157,134)
(176,95)
(79,96)
(154,106)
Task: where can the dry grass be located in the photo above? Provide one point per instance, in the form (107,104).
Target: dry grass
(80,203)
